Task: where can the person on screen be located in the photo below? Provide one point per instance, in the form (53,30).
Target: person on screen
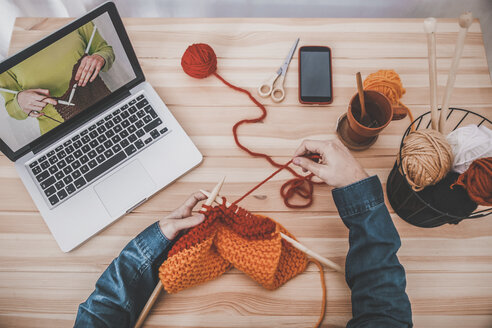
(47,74)
(372,270)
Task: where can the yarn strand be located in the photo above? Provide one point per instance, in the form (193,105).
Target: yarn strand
(323,287)
(199,61)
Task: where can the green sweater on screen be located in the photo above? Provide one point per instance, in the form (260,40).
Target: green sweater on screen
(51,68)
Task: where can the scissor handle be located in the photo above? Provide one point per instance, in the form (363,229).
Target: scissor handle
(266,87)
(278,93)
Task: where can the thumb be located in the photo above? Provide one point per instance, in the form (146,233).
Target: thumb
(189,222)
(308,164)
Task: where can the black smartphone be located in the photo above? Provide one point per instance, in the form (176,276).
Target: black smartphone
(315,78)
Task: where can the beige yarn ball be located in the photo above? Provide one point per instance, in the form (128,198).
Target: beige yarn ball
(426,158)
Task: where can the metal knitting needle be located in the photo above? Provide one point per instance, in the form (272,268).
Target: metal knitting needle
(9,91)
(90,40)
(157,290)
(66,103)
(72,92)
(44,115)
(293,242)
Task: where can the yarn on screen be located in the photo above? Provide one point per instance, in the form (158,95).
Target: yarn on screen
(469,143)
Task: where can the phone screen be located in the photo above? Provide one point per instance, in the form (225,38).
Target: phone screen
(315,75)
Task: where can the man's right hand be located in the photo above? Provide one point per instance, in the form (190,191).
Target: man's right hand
(34,99)
(337,167)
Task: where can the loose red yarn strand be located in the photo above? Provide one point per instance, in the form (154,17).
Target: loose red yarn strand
(200,61)
(289,188)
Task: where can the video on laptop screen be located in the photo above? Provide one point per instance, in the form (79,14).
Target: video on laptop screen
(61,81)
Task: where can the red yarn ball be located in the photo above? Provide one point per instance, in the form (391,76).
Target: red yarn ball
(199,60)
(477,181)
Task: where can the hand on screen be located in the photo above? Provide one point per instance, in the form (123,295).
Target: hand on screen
(337,167)
(88,69)
(34,99)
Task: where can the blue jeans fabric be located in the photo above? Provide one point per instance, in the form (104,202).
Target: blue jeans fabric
(373,272)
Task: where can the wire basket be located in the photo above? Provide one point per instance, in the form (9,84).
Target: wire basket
(411,205)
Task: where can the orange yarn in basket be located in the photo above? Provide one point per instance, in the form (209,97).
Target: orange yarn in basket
(477,181)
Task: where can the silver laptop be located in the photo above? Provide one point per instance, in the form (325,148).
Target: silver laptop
(91,139)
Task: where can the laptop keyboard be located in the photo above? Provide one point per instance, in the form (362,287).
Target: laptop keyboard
(72,165)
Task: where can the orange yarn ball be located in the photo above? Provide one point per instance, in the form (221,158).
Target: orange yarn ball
(477,181)
(387,82)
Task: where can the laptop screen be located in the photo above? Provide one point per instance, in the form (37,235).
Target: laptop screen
(62,80)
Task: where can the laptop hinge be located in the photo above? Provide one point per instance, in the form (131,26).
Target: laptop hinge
(80,121)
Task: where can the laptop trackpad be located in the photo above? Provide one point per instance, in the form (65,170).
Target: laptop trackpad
(125,188)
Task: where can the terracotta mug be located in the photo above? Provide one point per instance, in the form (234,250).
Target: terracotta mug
(380,113)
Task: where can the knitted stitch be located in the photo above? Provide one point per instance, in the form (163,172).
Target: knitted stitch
(232,237)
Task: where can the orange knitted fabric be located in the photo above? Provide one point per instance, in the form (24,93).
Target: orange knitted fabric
(232,237)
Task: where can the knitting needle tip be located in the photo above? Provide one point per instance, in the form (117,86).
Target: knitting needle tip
(215,192)
(66,103)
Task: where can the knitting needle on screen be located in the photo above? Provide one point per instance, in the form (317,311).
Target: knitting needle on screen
(43,114)
(90,40)
(293,242)
(72,93)
(157,290)
(66,103)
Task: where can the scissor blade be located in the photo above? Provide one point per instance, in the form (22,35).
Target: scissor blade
(289,57)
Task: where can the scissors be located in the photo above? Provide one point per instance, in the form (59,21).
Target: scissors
(268,88)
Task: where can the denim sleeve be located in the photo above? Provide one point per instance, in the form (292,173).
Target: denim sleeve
(123,289)
(373,272)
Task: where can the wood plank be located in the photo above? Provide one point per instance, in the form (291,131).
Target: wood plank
(449,268)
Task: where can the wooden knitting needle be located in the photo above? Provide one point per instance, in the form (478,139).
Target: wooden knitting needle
(465,21)
(157,290)
(430,28)
(360,90)
(293,242)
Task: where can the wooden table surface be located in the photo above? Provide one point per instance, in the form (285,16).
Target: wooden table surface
(449,269)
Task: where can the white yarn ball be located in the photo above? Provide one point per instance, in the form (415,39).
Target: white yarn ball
(469,143)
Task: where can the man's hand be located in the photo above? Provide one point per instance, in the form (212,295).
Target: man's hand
(181,217)
(337,167)
(88,69)
(34,99)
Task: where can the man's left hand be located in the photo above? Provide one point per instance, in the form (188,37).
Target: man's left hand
(89,69)
(181,218)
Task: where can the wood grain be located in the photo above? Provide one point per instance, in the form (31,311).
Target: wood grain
(449,269)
